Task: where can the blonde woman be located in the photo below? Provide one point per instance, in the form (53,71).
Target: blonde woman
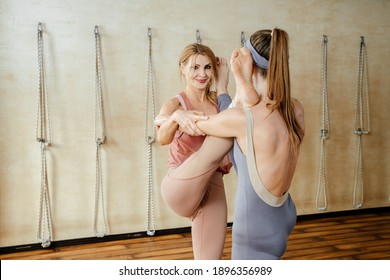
(197,193)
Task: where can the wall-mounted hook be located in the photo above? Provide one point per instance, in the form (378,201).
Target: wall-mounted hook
(198,39)
(242,39)
(361,40)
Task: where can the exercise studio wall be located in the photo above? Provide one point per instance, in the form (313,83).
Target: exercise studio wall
(80,204)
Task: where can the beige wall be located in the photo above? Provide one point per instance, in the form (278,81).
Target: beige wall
(69,41)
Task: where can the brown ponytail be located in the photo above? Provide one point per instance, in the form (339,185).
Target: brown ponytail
(274,47)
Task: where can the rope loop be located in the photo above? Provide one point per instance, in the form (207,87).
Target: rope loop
(324,132)
(43,136)
(361,120)
(150,138)
(99,140)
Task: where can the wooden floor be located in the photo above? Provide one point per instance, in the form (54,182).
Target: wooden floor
(351,236)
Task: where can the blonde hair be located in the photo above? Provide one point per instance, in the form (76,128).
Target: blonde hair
(199,49)
(273,45)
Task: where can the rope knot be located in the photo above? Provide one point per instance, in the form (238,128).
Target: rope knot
(150,139)
(324,133)
(100,141)
(360,131)
(45,243)
(45,143)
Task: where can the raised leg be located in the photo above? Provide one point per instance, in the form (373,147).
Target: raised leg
(185,186)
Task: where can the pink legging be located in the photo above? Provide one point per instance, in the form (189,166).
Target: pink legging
(195,189)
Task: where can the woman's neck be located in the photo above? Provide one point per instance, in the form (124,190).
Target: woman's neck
(261,86)
(195,95)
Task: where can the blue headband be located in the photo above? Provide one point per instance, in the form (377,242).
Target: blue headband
(258,60)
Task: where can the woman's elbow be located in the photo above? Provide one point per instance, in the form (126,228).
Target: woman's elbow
(163,140)
(162,143)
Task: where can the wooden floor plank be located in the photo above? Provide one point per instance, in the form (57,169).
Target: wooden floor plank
(357,236)
(311,255)
(308,245)
(385,243)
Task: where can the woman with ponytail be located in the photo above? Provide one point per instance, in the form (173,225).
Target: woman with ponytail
(267,138)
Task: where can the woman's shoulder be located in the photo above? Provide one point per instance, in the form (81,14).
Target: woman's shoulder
(297,103)
(171,105)
(299,112)
(298,106)
(234,115)
(173,102)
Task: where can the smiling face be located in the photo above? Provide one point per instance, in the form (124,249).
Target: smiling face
(198,71)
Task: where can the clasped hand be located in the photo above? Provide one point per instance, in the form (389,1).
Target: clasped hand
(186,120)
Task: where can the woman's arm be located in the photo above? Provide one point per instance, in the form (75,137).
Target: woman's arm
(222,82)
(224,101)
(171,118)
(165,125)
(225,124)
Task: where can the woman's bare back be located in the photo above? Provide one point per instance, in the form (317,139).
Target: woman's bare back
(275,159)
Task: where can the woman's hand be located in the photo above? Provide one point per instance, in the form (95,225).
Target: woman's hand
(187,121)
(223,75)
(160,119)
